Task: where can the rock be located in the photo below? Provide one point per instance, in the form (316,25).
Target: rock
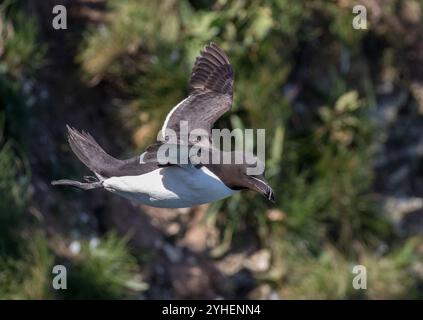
(231,264)
(200,235)
(193,281)
(173,228)
(398,207)
(417,91)
(75,247)
(263,292)
(174,254)
(410,12)
(260,293)
(275,215)
(259,261)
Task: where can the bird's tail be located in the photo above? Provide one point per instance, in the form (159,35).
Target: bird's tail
(93,156)
(90,153)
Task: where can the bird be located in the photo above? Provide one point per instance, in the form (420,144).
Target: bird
(147,180)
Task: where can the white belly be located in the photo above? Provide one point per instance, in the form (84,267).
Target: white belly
(170,187)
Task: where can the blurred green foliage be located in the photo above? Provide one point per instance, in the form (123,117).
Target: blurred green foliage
(20,55)
(13,186)
(104,271)
(24,262)
(26,259)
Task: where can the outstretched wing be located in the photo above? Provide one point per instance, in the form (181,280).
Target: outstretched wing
(212,72)
(211,88)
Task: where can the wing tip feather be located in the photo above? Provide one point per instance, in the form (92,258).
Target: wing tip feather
(212,71)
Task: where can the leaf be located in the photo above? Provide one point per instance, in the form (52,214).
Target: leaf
(347,102)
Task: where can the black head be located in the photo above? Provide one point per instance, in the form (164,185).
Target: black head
(259,184)
(255,182)
(248,175)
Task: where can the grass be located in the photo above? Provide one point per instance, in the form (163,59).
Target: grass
(29,276)
(107,271)
(20,51)
(26,260)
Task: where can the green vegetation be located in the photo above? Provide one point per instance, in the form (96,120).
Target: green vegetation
(24,263)
(106,271)
(26,260)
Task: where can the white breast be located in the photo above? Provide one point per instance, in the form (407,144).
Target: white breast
(171,187)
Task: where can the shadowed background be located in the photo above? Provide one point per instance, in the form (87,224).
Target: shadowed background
(343,113)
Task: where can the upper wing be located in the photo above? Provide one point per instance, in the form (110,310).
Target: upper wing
(212,71)
(211,88)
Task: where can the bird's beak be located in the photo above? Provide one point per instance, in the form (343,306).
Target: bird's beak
(262,187)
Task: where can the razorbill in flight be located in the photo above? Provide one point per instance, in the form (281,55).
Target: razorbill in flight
(146,179)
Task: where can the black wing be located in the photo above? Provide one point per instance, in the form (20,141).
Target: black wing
(211,88)
(211,91)
(97,160)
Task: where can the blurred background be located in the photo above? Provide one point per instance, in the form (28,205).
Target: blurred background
(343,112)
